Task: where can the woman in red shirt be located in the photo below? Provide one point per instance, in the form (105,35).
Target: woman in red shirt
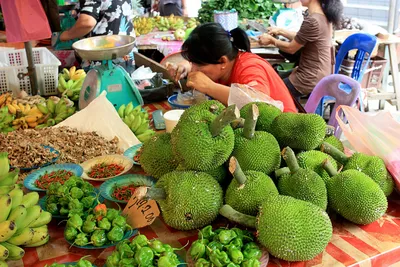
(217,58)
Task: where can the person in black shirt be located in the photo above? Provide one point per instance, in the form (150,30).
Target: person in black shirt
(102,17)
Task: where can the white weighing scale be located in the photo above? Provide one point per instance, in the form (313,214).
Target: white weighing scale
(107,77)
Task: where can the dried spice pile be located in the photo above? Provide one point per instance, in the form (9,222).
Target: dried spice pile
(74,146)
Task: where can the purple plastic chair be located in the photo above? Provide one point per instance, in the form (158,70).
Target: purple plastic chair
(330,86)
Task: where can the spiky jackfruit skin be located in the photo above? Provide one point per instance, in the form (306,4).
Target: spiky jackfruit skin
(313,159)
(267,114)
(306,185)
(356,197)
(261,153)
(196,149)
(193,199)
(196,111)
(372,166)
(156,157)
(220,174)
(293,229)
(334,141)
(248,198)
(299,131)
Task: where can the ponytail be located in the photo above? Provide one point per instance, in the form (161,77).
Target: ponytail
(240,39)
(333,10)
(209,42)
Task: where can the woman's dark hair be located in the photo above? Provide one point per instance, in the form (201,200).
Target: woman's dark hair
(209,42)
(333,10)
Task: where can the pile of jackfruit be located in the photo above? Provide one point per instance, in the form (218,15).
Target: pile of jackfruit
(283,174)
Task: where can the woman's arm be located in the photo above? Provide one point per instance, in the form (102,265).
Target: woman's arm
(184,8)
(288,47)
(283,32)
(83,26)
(200,82)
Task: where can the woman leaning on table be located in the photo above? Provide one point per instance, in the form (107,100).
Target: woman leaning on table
(315,37)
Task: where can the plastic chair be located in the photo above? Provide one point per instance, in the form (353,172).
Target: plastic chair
(365,44)
(331,86)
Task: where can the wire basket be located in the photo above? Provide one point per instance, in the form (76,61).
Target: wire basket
(14,69)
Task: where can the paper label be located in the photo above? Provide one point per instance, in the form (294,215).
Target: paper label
(140,212)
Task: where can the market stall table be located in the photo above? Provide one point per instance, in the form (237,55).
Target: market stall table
(376,244)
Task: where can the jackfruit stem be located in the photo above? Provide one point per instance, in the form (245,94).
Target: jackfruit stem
(224,119)
(250,122)
(235,216)
(329,131)
(329,168)
(335,153)
(291,160)
(282,171)
(214,108)
(155,193)
(236,171)
(238,123)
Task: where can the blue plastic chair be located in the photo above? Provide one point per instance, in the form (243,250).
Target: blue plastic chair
(365,44)
(331,86)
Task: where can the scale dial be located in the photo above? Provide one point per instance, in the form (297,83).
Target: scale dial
(90,88)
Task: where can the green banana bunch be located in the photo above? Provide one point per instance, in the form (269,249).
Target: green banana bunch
(6,120)
(70,82)
(137,120)
(54,112)
(22,221)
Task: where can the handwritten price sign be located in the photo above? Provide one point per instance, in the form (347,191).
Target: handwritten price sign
(141,212)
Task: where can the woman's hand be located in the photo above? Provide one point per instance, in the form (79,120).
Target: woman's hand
(266,39)
(274,31)
(179,71)
(199,81)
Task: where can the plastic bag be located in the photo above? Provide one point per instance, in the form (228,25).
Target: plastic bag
(241,94)
(25,20)
(374,135)
(102,117)
(288,19)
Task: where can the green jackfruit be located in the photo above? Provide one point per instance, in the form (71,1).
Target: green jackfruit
(205,143)
(256,150)
(248,189)
(304,184)
(334,141)
(372,166)
(268,113)
(312,160)
(299,131)
(156,156)
(289,228)
(197,111)
(355,196)
(220,174)
(188,200)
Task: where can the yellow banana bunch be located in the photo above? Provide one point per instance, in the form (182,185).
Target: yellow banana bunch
(143,25)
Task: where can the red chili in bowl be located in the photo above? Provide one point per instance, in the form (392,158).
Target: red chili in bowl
(104,170)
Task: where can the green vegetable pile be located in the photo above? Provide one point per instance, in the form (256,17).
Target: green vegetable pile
(225,247)
(76,196)
(251,9)
(100,227)
(144,253)
(81,263)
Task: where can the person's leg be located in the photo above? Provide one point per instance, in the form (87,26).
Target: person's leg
(168,9)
